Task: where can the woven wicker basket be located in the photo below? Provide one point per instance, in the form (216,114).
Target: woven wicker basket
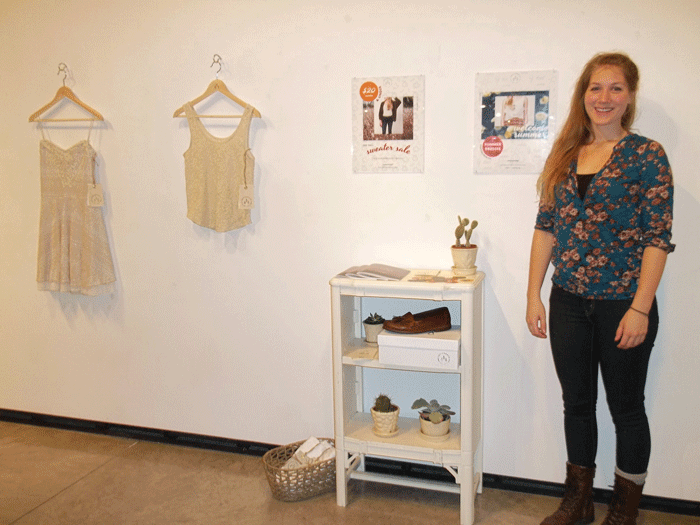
(301,483)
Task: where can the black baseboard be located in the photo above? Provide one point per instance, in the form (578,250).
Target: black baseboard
(132,432)
(372,464)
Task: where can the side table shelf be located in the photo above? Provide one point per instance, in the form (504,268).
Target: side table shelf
(462,453)
(358,353)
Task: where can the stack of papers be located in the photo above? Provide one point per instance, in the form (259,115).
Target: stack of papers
(312,451)
(380,272)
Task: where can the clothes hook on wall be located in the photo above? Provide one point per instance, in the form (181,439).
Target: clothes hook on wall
(217,60)
(63,68)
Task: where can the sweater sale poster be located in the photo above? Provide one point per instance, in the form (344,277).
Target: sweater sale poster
(388,124)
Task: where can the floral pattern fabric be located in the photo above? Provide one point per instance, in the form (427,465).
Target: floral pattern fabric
(600,239)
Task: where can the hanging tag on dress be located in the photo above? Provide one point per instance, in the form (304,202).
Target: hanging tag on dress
(95,197)
(245,198)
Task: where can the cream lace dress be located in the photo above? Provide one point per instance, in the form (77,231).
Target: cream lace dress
(215,170)
(74,254)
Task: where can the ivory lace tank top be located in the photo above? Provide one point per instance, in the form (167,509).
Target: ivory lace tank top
(215,169)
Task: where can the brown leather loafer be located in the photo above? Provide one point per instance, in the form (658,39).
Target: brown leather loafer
(437,320)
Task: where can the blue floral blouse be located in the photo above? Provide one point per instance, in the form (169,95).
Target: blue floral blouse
(599,241)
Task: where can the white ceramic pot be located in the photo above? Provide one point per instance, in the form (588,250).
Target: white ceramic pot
(435,430)
(372,331)
(464,258)
(385,423)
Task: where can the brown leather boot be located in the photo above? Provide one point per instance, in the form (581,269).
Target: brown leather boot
(577,506)
(624,503)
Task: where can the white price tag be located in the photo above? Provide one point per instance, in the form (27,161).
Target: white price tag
(245,198)
(95,197)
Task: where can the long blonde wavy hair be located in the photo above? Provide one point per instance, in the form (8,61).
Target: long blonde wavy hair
(577,130)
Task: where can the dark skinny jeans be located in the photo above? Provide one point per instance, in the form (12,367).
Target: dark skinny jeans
(582,336)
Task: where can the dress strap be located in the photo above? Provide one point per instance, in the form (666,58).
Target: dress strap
(189,112)
(193,120)
(245,121)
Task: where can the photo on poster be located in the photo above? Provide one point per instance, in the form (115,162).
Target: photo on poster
(388,120)
(387,116)
(515,125)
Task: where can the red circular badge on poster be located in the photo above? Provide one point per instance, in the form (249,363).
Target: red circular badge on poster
(492,147)
(369,91)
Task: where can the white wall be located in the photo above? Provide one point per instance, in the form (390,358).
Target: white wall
(207,329)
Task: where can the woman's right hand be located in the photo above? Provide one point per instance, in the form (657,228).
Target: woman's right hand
(536,318)
(540,255)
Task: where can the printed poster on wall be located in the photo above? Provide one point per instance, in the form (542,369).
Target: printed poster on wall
(387,124)
(515,121)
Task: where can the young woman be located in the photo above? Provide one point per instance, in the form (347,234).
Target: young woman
(387,113)
(604,222)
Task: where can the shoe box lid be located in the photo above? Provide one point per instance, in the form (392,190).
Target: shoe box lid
(446,340)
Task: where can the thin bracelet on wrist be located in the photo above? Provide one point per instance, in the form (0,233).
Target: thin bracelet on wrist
(639,311)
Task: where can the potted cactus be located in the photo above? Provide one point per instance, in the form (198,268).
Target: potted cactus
(464,255)
(374,323)
(385,415)
(434,419)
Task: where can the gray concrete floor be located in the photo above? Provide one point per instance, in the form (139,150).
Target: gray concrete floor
(61,477)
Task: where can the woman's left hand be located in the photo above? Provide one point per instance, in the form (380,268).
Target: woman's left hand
(632,330)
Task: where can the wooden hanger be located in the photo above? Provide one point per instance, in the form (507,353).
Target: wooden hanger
(214,87)
(217,85)
(64,92)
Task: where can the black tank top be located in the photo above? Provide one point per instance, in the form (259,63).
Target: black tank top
(583,179)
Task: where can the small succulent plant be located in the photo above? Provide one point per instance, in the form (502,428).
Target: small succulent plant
(374,319)
(434,411)
(464,229)
(382,403)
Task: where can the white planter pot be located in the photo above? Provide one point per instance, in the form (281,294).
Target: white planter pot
(372,331)
(385,423)
(435,431)
(464,258)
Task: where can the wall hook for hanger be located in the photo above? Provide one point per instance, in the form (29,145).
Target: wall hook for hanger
(63,68)
(217,60)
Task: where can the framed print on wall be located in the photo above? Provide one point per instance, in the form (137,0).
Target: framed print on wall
(387,124)
(515,121)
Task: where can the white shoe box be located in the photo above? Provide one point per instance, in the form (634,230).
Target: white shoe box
(429,350)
